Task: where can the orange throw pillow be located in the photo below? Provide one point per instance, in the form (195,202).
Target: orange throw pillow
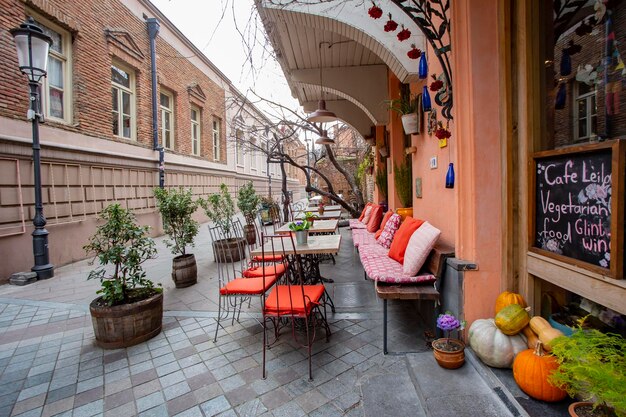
(383,223)
(363,212)
(375,218)
(402,237)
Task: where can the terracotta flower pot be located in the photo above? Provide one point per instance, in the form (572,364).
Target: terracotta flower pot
(588,407)
(405,211)
(449,353)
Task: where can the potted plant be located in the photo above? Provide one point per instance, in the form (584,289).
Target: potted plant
(310,217)
(449,353)
(177,207)
(301,228)
(381,183)
(220,209)
(403,180)
(129,309)
(592,367)
(406,107)
(248,202)
(321,208)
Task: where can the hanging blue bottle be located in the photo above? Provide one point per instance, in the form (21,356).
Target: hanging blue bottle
(423,67)
(566,63)
(426,106)
(450,176)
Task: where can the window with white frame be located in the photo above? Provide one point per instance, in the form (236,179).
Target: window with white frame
(239,147)
(166,103)
(216,139)
(123,101)
(195,130)
(253,154)
(56,87)
(585,112)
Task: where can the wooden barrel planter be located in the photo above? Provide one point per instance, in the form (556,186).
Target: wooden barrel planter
(126,325)
(184,270)
(250,232)
(229,250)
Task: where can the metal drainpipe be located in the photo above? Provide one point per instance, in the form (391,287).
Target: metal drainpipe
(153,31)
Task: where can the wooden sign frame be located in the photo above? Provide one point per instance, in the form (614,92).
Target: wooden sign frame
(618,158)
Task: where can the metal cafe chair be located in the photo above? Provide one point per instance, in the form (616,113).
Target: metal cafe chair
(291,301)
(234,288)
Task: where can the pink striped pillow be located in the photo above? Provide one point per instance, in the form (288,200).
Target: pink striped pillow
(389,231)
(368,214)
(422,241)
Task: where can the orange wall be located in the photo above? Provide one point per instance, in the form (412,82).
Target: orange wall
(396,147)
(478,69)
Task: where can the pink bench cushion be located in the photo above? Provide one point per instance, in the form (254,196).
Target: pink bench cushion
(362,237)
(385,269)
(367,251)
(356,224)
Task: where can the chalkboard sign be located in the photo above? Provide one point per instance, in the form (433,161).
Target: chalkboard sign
(575,215)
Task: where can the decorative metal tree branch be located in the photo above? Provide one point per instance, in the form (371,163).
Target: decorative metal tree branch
(423,13)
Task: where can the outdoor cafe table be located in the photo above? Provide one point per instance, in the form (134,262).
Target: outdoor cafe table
(328,215)
(309,253)
(328,208)
(319,226)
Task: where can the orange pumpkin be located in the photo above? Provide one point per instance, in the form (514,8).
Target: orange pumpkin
(531,369)
(506,298)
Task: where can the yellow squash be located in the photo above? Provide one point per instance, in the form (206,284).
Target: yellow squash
(512,319)
(544,331)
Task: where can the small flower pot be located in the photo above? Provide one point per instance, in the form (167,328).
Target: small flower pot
(320,210)
(409,123)
(449,353)
(302,237)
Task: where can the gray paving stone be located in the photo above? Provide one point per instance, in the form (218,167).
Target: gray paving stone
(89,409)
(60,393)
(172,378)
(158,411)
(176,390)
(89,384)
(150,401)
(191,412)
(33,391)
(290,409)
(215,406)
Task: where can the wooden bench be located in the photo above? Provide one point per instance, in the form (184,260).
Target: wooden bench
(435,263)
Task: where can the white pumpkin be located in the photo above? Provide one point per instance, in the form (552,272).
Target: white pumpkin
(492,346)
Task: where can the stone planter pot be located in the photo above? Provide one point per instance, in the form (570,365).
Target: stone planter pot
(403,212)
(449,358)
(127,324)
(409,123)
(184,270)
(302,237)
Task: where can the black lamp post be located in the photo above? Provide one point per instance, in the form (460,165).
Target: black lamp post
(32,52)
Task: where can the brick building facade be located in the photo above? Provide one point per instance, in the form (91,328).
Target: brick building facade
(97,139)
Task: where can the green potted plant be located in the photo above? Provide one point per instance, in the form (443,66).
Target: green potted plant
(403,180)
(301,228)
(177,207)
(220,209)
(592,366)
(310,217)
(381,183)
(248,202)
(406,107)
(449,353)
(129,309)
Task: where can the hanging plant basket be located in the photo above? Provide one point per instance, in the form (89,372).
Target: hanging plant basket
(409,123)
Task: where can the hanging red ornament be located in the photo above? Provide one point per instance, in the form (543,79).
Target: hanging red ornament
(404,34)
(442,132)
(391,25)
(436,85)
(414,53)
(375,12)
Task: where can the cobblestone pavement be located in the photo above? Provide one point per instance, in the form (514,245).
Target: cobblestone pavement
(50,366)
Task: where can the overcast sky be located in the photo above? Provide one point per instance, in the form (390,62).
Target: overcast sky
(210,25)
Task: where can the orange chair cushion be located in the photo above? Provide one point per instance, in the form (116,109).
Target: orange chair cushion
(257,271)
(383,223)
(375,218)
(248,286)
(363,212)
(288,300)
(401,238)
(268,258)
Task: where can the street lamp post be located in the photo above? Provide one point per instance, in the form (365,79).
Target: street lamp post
(32,52)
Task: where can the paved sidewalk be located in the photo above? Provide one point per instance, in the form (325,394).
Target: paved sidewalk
(49,364)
